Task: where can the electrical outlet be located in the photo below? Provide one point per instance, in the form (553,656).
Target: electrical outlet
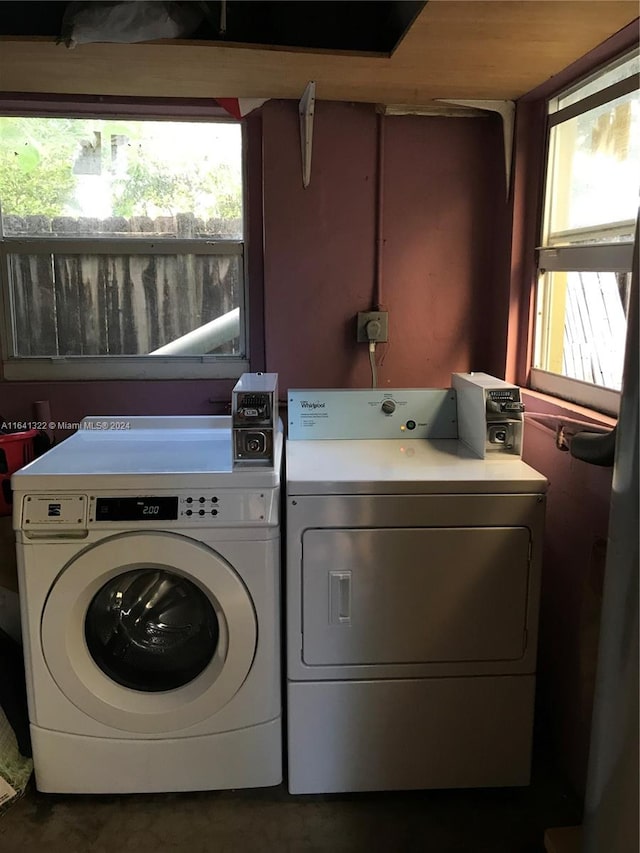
(365,317)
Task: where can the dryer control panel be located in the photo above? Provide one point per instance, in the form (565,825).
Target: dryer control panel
(372,413)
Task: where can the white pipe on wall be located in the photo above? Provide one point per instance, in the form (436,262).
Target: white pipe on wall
(205,338)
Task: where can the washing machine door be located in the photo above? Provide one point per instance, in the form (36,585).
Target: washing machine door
(149,632)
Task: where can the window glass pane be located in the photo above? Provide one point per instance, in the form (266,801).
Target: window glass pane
(71,305)
(594,171)
(118,178)
(601,81)
(582,326)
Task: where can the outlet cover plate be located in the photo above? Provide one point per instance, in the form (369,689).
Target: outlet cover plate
(365,317)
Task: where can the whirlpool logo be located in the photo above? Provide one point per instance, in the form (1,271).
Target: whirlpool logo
(312,404)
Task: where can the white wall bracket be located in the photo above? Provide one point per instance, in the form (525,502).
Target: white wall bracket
(507,111)
(307,109)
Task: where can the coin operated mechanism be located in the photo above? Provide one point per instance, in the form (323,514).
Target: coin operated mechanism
(255,419)
(504,410)
(490,414)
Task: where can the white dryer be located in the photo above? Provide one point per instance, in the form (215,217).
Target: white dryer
(149,585)
(413,578)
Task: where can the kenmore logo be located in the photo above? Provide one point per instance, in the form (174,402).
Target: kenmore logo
(306,404)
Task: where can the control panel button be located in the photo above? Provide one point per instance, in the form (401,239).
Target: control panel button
(410,424)
(388,407)
(201,512)
(202,500)
(214,500)
(189,500)
(189,512)
(214,512)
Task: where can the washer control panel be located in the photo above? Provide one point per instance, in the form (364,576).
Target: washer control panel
(159,511)
(202,507)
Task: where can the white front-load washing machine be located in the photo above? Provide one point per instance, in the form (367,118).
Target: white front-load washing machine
(149,585)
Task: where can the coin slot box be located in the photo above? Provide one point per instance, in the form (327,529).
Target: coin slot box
(255,415)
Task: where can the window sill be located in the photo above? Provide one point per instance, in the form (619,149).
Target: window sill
(547,405)
(576,392)
(112,368)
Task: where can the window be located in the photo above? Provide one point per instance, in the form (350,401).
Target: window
(121,248)
(590,210)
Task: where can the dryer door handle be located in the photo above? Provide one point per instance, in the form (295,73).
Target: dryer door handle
(339,598)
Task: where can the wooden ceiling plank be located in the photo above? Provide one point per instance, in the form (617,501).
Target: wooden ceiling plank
(455,49)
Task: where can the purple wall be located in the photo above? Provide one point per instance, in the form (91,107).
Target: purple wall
(445,256)
(572,577)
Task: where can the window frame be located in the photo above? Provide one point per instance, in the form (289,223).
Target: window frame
(557,254)
(117,367)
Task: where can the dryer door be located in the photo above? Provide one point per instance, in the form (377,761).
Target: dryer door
(149,632)
(414,595)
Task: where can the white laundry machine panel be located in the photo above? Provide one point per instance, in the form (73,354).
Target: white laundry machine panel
(150,614)
(100,691)
(413,584)
(394,599)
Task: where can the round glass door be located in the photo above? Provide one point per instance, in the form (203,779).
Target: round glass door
(142,645)
(151,630)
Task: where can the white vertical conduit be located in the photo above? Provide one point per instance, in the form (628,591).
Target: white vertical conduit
(379,239)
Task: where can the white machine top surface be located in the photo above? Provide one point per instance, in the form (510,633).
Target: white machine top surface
(148,452)
(399,466)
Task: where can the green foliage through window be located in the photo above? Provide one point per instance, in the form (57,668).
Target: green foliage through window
(36,167)
(92,168)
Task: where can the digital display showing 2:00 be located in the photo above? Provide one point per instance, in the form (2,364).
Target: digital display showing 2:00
(137,509)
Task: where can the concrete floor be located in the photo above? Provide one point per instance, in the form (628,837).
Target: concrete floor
(271,821)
